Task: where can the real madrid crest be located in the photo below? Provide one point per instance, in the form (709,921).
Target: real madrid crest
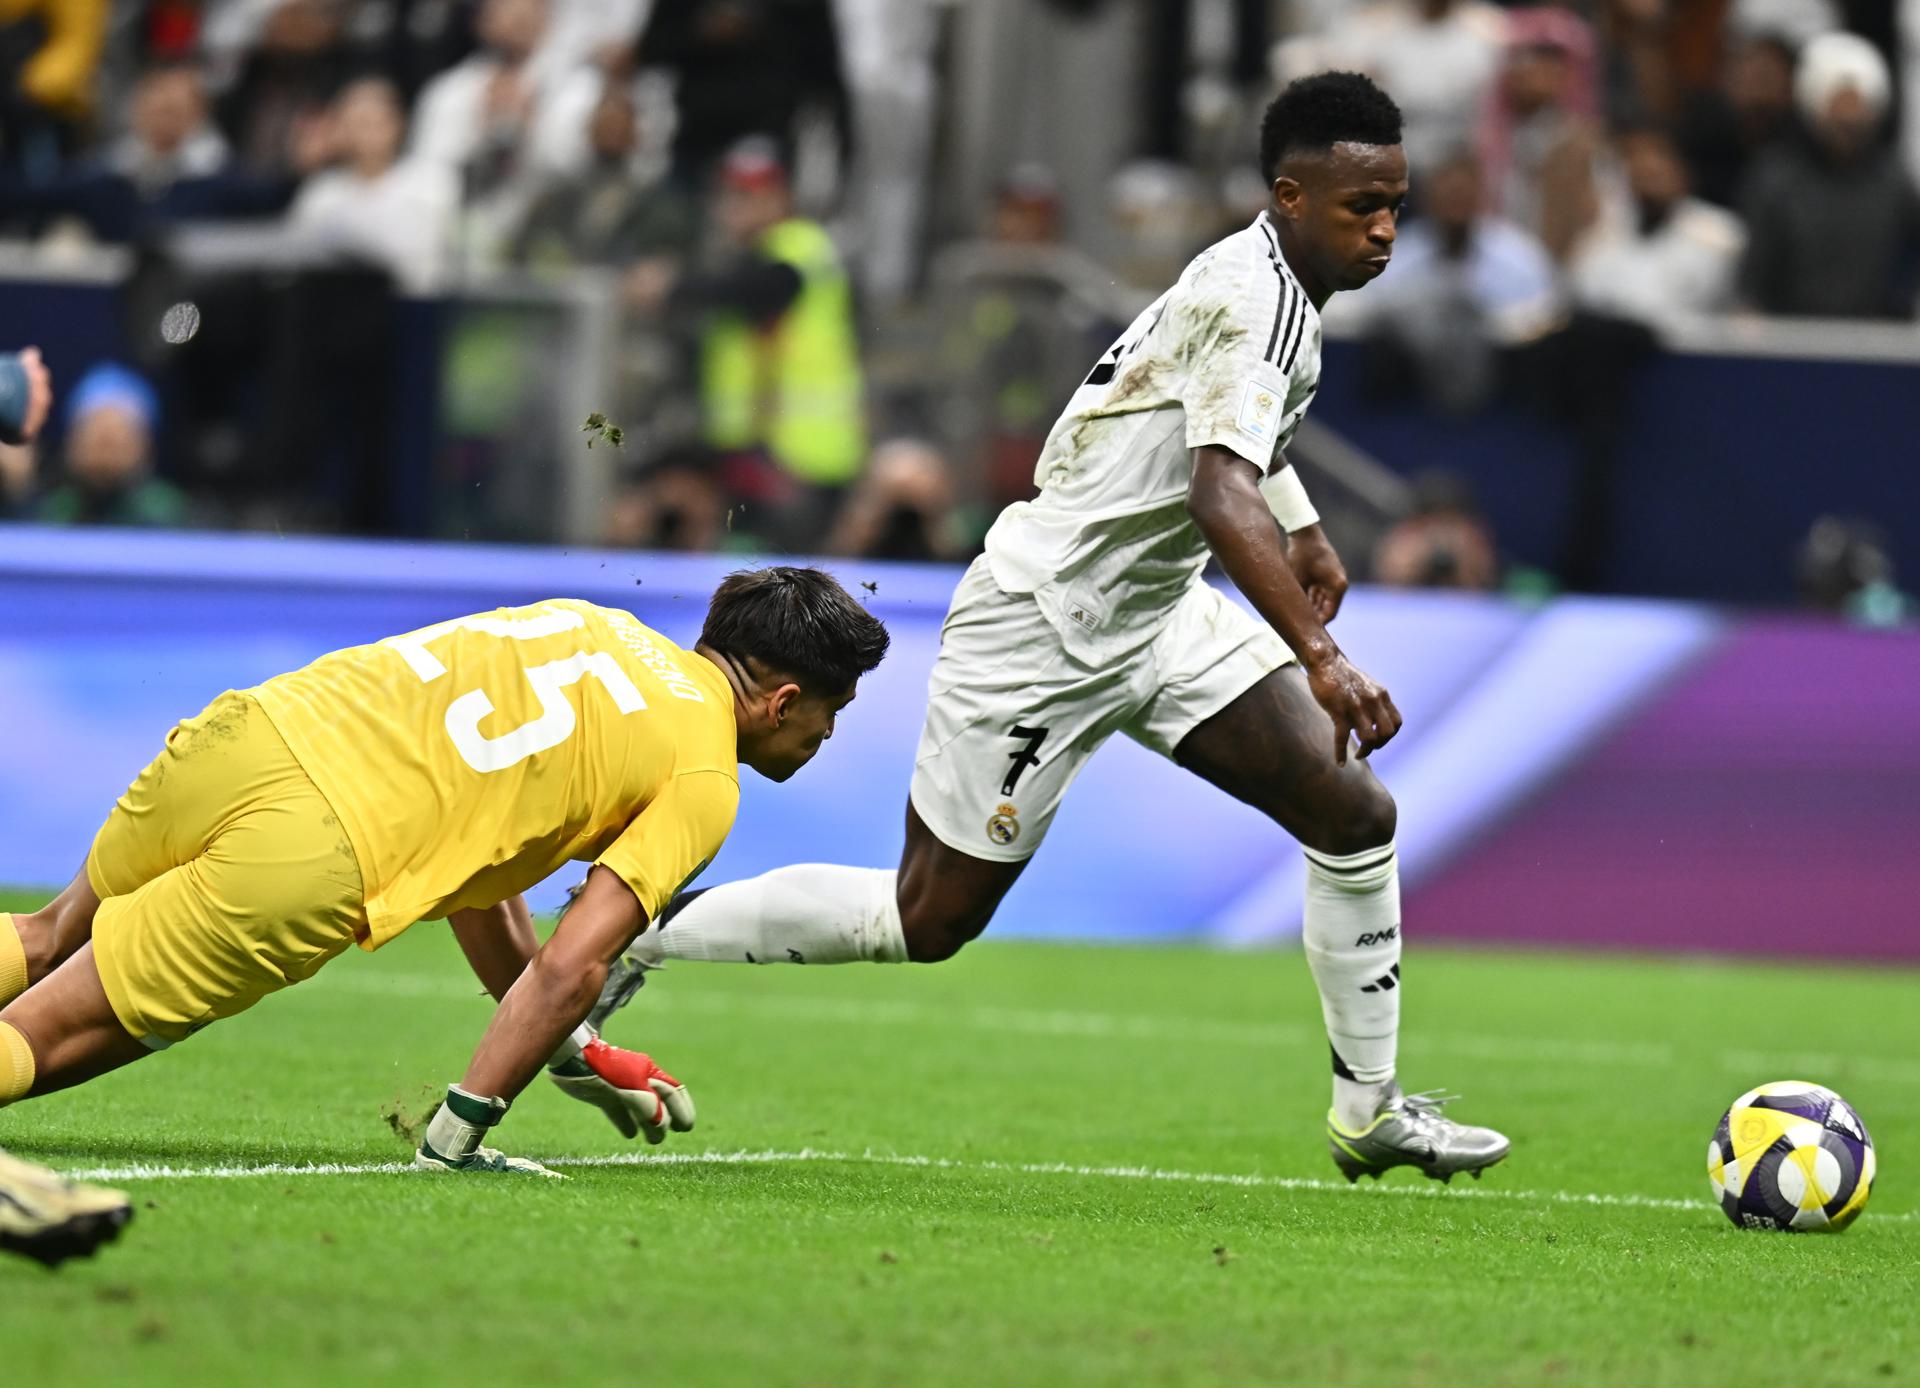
(1004,827)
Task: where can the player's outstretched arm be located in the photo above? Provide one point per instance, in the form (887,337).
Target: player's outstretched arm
(636,1095)
(556,990)
(1226,505)
(541,1009)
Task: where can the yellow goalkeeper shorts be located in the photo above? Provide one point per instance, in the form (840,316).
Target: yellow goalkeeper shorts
(223,876)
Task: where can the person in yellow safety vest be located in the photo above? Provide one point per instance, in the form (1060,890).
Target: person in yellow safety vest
(782,394)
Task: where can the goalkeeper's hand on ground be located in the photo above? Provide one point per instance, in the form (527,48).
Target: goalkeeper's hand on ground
(453,1138)
(637,1095)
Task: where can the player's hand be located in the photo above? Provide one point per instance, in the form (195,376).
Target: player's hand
(452,1139)
(1361,710)
(638,1096)
(1322,577)
(481,1159)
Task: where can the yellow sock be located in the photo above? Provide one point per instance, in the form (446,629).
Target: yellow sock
(16,1065)
(13,961)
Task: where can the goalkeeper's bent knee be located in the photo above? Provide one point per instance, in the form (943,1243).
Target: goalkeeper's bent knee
(16,1065)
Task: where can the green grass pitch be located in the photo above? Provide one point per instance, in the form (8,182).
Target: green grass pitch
(1036,1164)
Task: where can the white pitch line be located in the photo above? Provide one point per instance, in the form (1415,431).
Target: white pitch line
(768,1157)
(1113,1026)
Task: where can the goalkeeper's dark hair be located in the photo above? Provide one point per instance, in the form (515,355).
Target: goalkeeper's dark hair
(796,621)
(1324,110)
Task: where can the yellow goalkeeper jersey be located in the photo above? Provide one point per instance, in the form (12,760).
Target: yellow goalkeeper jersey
(471,759)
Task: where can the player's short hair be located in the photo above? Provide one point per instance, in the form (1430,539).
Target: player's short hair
(797,621)
(1324,110)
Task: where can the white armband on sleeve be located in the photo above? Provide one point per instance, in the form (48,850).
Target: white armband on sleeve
(1287,499)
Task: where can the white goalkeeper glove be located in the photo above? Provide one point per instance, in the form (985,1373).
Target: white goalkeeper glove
(636,1095)
(453,1138)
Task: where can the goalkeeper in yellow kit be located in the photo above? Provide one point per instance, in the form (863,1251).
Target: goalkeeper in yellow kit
(438,773)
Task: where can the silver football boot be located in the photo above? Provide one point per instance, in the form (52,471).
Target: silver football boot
(1410,1130)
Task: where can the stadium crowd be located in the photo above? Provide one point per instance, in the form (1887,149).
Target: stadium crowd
(810,356)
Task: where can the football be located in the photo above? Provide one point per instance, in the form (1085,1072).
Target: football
(1792,1156)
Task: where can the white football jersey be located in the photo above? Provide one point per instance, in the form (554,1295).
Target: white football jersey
(1229,356)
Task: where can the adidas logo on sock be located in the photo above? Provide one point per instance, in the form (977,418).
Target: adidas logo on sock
(1386,983)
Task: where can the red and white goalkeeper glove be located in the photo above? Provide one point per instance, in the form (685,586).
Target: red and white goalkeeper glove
(637,1095)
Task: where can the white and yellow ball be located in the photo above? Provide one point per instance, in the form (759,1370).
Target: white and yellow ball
(1792,1156)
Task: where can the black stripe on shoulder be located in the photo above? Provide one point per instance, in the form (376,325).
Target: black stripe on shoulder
(1291,297)
(1298,335)
(1284,308)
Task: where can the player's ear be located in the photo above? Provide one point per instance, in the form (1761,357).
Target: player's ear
(1286,196)
(780,702)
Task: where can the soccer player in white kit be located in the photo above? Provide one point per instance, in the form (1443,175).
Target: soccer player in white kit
(1088,615)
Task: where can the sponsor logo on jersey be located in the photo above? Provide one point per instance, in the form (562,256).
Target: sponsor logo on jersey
(1004,827)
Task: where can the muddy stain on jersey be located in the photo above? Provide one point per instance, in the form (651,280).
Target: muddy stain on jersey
(1206,329)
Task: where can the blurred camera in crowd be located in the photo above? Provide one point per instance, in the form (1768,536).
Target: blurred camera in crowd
(1445,543)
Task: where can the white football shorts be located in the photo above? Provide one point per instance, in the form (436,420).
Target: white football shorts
(1011,717)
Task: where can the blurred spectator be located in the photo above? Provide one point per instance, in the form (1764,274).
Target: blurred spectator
(1540,139)
(781,386)
(672,504)
(1835,224)
(109,451)
(891,51)
(1437,57)
(1026,208)
(559,143)
(1636,74)
(1471,308)
(1010,343)
(1444,543)
(617,209)
(592,32)
(1463,285)
(170,137)
(286,82)
(1665,255)
(903,508)
(473,116)
(26,396)
(171,166)
(1844,568)
(1907,14)
(374,207)
(16,481)
(1162,216)
(1794,21)
(1724,131)
(745,68)
(49,55)
(480,119)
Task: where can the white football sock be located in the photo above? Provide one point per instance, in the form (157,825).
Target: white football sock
(1352,938)
(811,913)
